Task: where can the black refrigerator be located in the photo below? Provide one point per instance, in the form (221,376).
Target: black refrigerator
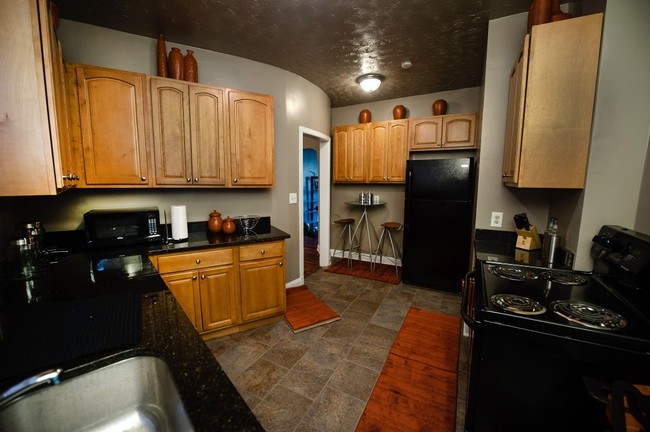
(438,214)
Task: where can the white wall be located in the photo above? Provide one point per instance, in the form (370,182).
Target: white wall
(619,141)
(297,103)
(505,43)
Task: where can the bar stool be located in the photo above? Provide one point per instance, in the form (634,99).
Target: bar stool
(388,227)
(347,228)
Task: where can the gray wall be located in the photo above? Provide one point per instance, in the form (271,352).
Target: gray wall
(459,101)
(297,103)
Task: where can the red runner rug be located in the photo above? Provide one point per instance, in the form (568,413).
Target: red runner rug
(383,273)
(416,390)
(306,311)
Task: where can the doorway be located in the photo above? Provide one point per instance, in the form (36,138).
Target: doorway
(314,196)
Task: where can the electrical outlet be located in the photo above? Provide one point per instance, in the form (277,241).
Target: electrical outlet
(497,219)
(293,198)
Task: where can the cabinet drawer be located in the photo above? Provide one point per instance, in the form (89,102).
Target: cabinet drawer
(260,250)
(195,260)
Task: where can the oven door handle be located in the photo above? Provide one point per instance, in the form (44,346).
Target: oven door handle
(471,322)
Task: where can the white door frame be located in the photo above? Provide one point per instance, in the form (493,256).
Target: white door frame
(324,170)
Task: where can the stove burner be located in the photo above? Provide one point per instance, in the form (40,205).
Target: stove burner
(518,304)
(513,273)
(564,278)
(589,315)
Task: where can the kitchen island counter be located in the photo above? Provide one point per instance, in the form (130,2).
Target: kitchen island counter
(210,398)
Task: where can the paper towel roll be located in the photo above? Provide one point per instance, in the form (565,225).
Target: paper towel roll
(179,222)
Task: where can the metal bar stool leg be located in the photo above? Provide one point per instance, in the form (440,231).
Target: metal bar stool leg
(393,245)
(379,250)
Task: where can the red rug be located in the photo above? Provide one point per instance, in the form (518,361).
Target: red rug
(306,311)
(383,273)
(416,390)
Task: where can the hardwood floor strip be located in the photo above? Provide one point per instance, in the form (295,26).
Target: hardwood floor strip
(416,390)
(383,273)
(306,311)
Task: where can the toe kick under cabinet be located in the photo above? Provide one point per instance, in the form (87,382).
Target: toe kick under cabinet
(227,290)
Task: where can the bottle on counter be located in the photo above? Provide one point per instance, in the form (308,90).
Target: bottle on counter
(550,242)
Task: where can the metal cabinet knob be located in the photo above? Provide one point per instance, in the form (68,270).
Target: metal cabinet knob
(234,180)
(202,276)
(189,179)
(196,179)
(198,261)
(194,277)
(262,251)
(143,178)
(281,264)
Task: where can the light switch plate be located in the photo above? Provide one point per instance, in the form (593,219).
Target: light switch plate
(293,198)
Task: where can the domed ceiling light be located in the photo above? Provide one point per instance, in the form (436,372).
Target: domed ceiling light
(370,81)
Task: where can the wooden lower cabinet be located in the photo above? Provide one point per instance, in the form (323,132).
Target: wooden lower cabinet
(227,290)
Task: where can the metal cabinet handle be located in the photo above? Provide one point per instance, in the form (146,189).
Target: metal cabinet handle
(234,180)
(262,251)
(71,177)
(202,276)
(196,179)
(198,261)
(143,178)
(189,179)
(281,264)
(194,278)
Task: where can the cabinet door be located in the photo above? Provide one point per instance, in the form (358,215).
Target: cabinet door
(171,132)
(185,288)
(350,147)
(515,116)
(208,138)
(114,140)
(251,138)
(459,131)
(262,288)
(30,151)
(387,151)
(218,292)
(425,133)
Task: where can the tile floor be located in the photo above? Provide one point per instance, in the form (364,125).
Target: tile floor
(320,379)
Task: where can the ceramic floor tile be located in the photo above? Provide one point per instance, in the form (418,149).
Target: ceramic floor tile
(241,356)
(282,410)
(270,334)
(307,378)
(304,427)
(343,332)
(378,335)
(355,317)
(286,353)
(335,411)
(368,355)
(362,305)
(261,377)
(328,353)
(354,380)
(373,295)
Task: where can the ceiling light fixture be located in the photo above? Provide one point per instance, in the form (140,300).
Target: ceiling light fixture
(370,82)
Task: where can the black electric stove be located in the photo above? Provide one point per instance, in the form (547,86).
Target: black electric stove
(542,337)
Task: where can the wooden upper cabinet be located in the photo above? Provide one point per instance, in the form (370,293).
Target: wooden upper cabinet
(251,139)
(349,153)
(112,106)
(448,132)
(35,152)
(388,151)
(550,105)
(188,133)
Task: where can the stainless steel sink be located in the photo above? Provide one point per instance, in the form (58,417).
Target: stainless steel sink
(136,394)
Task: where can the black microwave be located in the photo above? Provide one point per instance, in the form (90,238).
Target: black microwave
(122,227)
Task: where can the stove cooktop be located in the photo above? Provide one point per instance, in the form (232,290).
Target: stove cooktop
(562,302)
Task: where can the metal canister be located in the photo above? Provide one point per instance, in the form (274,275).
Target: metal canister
(34,234)
(22,258)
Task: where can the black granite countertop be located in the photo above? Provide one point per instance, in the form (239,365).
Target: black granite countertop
(45,322)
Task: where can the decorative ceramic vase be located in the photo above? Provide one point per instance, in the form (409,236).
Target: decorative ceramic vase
(228,226)
(539,13)
(556,12)
(365,116)
(176,64)
(191,69)
(215,222)
(439,107)
(399,112)
(162,57)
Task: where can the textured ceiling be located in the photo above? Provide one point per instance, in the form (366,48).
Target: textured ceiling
(328,42)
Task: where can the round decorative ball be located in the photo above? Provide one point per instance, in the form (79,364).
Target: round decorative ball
(440,107)
(365,116)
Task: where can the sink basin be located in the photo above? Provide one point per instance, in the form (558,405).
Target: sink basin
(136,394)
